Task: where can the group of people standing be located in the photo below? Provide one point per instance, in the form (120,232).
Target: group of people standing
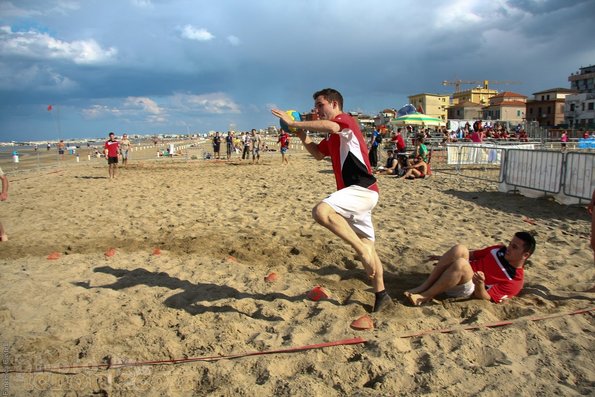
(249,144)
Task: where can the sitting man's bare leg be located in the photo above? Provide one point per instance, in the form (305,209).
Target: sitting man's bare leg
(452,269)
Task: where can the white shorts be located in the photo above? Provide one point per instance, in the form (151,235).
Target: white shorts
(461,291)
(355,203)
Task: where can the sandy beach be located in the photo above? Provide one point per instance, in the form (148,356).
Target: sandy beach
(192,241)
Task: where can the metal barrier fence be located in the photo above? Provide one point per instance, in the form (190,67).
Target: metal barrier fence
(579,175)
(569,174)
(470,161)
(534,169)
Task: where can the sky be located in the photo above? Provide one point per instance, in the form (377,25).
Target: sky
(193,66)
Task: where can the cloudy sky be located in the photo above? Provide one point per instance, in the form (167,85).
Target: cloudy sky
(178,66)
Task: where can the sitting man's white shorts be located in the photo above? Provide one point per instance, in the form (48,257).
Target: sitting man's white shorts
(355,203)
(461,291)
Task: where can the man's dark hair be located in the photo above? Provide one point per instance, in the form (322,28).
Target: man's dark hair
(111,133)
(529,241)
(330,95)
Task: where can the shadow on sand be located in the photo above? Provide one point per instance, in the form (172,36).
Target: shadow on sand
(192,296)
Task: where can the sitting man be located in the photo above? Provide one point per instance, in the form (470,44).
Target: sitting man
(421,152)
(417,166)
(391,167)
(493,273)
(417,170)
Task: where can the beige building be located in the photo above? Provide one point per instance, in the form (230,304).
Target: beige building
(479,95)
(465,111)
(506,106)
(433,105)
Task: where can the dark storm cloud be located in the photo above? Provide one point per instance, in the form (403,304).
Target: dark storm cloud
(166,65)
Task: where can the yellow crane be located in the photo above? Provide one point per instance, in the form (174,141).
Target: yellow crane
(484,83)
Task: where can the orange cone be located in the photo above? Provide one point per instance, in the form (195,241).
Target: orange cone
(271,277)
(54,255)
(363,323)
(156,251)
(317,293)
(110,252)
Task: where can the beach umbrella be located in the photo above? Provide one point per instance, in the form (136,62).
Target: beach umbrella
(417,119)
(407,109)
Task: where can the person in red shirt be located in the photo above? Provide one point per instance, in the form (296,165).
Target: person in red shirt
(347,212)
(111,149)
(283,142)
(400,148)
(493,273)
(564,140)
(399,141)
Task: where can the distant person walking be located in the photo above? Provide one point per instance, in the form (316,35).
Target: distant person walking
(374,143)
(217,145)
(564,140)
(229,144)
(61,146)
(110,149)
(125,146)
(246,151)
(283,146)
(256,145)
(3,197)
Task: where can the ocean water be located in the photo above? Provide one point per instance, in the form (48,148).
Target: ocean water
(28,150)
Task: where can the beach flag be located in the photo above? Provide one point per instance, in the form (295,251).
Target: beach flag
(420,109)
(49,107)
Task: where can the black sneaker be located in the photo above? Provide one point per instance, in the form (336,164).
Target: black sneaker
(382,303)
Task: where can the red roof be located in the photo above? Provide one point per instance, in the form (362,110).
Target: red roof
(508,103)
(508,94)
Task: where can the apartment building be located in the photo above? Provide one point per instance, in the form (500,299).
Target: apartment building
(547,107)
(579,110)
(434,105)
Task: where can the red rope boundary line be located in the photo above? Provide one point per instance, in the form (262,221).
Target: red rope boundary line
(495,324)
(352,341)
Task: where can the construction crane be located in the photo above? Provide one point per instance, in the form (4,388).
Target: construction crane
(485,83)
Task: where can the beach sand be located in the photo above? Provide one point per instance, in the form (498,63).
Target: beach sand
(220,229)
